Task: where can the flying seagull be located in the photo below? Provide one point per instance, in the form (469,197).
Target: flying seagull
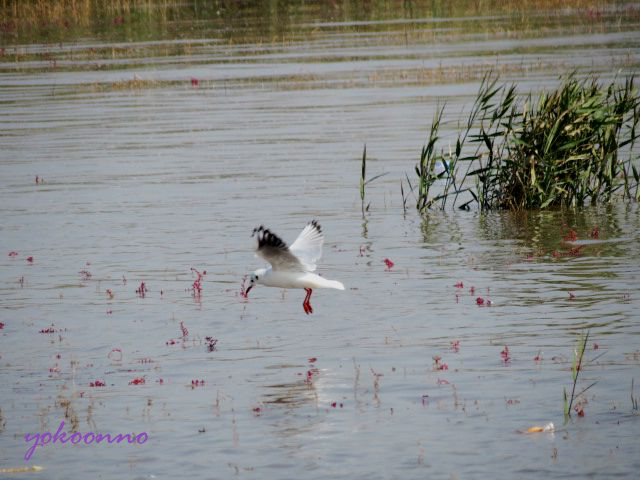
(291,267)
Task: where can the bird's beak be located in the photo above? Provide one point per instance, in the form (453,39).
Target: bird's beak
(247,291)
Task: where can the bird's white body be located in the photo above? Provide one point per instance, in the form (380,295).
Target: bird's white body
(285,279)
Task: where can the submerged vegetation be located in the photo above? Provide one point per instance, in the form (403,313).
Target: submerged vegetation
(568,147)
(576,368)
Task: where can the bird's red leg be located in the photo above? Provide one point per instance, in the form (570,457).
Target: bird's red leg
(306,305)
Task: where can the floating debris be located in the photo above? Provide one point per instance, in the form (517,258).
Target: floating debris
(34,468)
(548,427)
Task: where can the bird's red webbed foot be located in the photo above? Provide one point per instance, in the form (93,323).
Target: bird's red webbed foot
(306,305)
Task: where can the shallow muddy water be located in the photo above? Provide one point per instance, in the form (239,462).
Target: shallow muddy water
(160,153)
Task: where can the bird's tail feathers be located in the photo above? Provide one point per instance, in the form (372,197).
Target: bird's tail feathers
(335,284)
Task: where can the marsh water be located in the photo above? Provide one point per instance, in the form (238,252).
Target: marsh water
(159,149)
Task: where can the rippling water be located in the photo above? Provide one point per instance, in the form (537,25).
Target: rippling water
(159,156)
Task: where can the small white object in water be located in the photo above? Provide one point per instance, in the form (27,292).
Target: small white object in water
(548,427)
(291,267)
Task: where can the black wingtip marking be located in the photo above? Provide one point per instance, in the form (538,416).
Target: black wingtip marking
(267,238)
(316,225)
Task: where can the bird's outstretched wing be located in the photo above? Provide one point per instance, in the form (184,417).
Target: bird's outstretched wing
(308,246)
(271,248)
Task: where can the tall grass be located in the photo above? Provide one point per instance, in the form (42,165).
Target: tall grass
(364,182)
(568,147)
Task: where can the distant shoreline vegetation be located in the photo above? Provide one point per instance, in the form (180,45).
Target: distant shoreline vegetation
(26,21)
(566,148)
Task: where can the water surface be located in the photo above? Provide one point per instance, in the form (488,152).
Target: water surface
(161,150)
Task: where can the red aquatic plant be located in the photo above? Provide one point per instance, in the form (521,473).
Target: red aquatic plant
(185,331)
(459,285)
(388,263)
(30,259)
(538,357)
(48,330)
(455,346)
(13,253)
(472,290)
(575,251)
(571,296)
(142,290)
(137,381)
(596,346)
(442,381)
(439,366)
(85,274)
(572,236)
(480,301)
(197,383)
(115,355)
(194,82)
(595,233)
(312,360)
(97,383)
(311,374)
(572,252)
(505,354)
(211,343)
(196,288)
(1,325)
(110,294)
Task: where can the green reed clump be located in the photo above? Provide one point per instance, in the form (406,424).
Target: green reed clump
(569,147)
